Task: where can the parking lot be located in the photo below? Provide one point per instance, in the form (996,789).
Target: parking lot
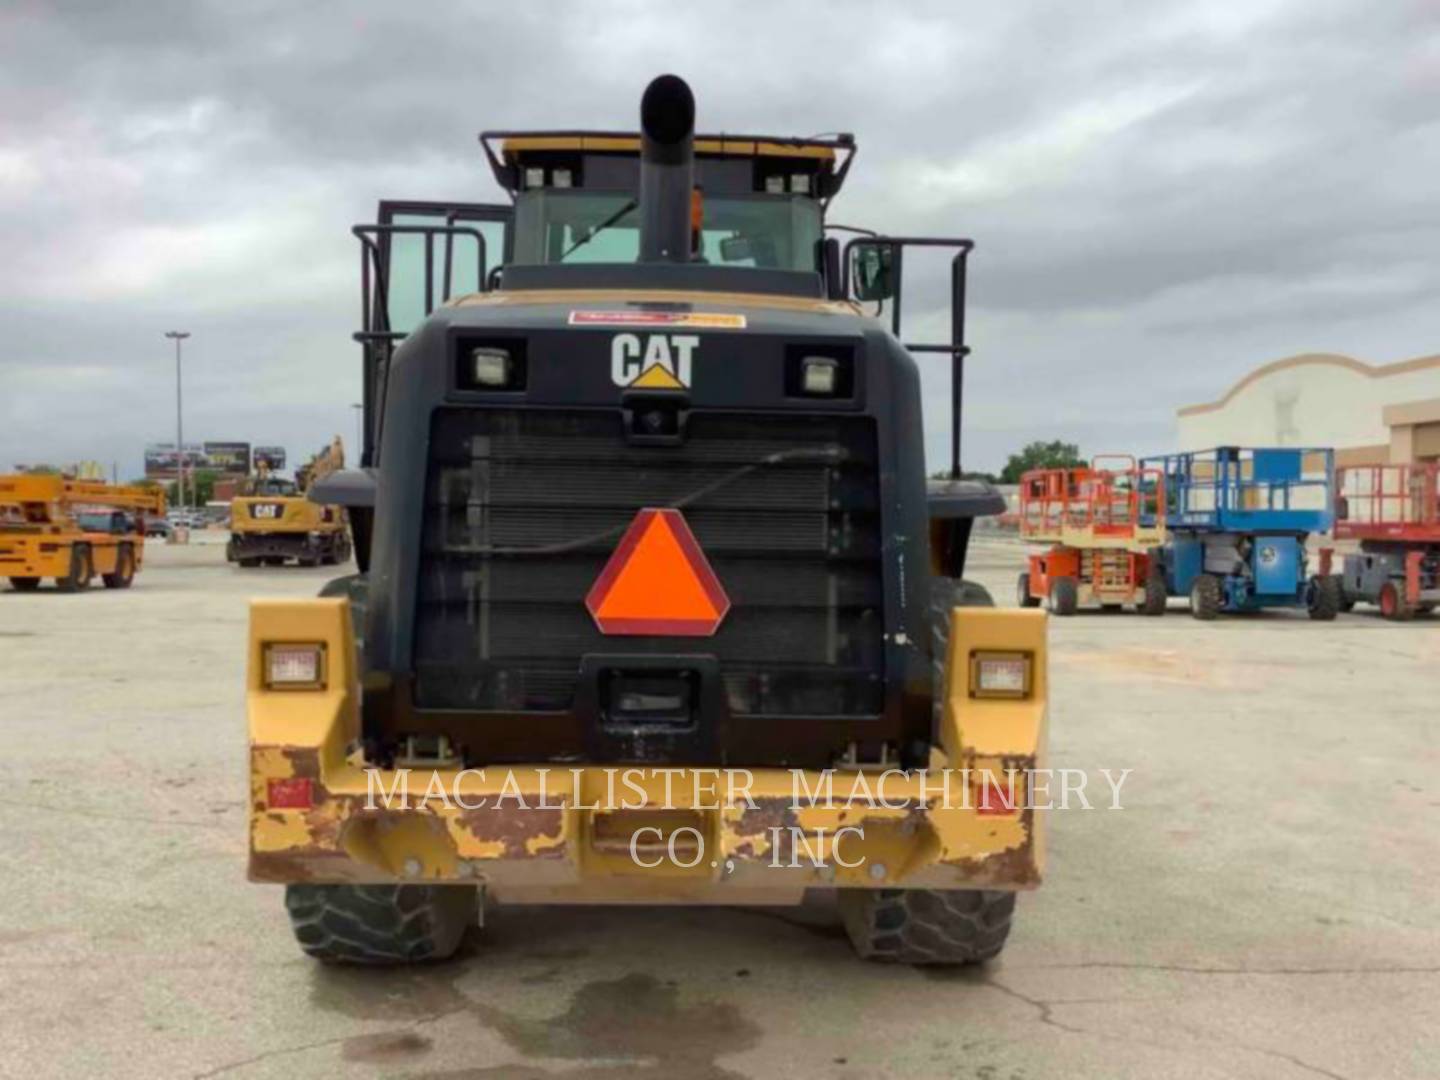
(1263,906)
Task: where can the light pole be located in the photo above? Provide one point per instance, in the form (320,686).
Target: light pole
(178,336)
(359,429)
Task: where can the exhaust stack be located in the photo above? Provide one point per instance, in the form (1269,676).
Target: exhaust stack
(667,169)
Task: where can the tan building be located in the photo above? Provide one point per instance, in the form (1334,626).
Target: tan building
(1369,414)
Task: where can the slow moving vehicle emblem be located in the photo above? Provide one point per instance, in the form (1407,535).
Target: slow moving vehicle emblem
(658,582)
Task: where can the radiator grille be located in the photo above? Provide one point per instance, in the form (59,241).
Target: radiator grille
(523,508)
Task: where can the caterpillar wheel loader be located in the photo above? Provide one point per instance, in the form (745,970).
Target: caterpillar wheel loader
(272,521)
(655,604)
(73,530)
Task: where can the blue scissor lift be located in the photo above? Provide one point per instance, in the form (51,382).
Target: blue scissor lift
(1238,521)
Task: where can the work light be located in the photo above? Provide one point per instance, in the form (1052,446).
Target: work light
(1000,675)
(490,367)
(295,667)
(817,375)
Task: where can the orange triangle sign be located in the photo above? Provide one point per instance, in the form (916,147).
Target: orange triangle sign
(658,582)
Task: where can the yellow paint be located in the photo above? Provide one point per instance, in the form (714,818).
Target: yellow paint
(583,297)
(630,144)
(917,839)
(656,377)
(39,529)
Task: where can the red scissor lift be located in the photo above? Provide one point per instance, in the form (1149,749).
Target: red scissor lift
(1394,512)
(1103,525)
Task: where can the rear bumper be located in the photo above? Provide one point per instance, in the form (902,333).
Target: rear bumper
(642,833)
(260,545)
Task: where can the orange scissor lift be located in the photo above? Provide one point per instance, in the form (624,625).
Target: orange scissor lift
(1394,512)
(1103,524)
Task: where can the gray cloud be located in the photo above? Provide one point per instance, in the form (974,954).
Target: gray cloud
(1164,195)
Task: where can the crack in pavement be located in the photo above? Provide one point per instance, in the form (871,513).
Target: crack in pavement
(1184,969)
(285,1051)
(1046,1015)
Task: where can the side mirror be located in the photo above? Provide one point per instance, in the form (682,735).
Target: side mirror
(872,271)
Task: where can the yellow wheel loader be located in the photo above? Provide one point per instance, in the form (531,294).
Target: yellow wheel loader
(655,604)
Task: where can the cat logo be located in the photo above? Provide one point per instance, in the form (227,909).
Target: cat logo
(659,362)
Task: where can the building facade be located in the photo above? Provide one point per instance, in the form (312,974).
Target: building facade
(1370,414)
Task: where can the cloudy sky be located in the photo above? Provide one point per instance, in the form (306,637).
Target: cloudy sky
(1164,194)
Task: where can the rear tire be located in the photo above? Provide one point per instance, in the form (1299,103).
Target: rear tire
(927,926)
(1325,597)
(1393,604)
(1064,595)
(1023,596)
(81,571)
(1156,596)
(25,584)
(1205,597)
(381,924)
(124,572)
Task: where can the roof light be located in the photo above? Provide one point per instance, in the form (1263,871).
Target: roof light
(534,177)
(1000,675)
(800,183)
(775,185)
(490,367)
(818,375)
(562,178)
(295,667)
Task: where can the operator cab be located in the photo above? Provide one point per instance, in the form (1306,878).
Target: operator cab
(757,202)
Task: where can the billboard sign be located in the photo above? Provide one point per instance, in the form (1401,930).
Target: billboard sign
(161,460)
(270,457)
(232,458)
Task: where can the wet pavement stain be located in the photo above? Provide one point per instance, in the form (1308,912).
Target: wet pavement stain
(634,1025)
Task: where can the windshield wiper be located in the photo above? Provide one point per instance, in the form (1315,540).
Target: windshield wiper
(598,229)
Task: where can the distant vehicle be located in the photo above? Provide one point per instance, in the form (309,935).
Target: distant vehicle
(72,531)
(272,521)
(158,527)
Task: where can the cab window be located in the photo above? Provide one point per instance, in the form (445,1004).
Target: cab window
(769,231)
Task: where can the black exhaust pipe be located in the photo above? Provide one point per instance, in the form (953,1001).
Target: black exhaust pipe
(667,169)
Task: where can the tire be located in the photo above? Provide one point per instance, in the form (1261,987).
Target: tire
(124,572)
(1325,598)
(1022,593)
(25,584)
(1064,595)
(1424,609)
(927,926)
(1156,596)
(1205,597)
(945,595)
(81,570)
(380,924)
(1393,605)
(248,564)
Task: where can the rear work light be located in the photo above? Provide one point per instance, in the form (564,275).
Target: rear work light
(817,375)
(295,667)
(1000,674)
(490,367)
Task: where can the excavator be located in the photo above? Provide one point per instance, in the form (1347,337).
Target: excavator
(272,522)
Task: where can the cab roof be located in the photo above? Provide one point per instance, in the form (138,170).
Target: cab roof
(511,153)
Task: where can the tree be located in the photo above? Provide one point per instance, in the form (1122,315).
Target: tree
(944,474)
(1041,455)
(201,488)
